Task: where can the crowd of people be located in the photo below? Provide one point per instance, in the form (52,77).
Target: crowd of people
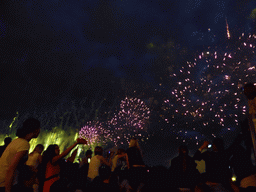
(125,170)
(48,170)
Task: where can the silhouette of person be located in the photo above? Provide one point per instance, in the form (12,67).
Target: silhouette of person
(217,164)
(250,93)
(183,170)
(7,141)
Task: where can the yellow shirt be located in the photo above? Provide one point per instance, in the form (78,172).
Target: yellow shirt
(252,106)
(94,167)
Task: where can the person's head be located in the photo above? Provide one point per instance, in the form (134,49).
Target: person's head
(98,150)
(57,150)
(30,127)
(50,152)
(120,151)
(250,91)
(7,140)
(134,143)
(88,154)
(183,150)
(218,145)
(39,148)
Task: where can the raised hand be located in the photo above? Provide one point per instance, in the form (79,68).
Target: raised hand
(205,145)
(81,141)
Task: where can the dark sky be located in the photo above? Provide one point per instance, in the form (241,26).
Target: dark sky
(54,49)
(49,48)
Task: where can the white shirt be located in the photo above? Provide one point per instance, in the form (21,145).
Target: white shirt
(17,145)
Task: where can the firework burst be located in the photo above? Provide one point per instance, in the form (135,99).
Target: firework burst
(95,133)
(208,90)
(130,121)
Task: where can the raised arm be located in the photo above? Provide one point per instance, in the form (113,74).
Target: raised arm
(12,168)
(104,161)
(198,155)
(66,152)
(122,155)
(127,161)
(73,156)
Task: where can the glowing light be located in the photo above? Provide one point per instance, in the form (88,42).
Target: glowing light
(228,33)
(57,128)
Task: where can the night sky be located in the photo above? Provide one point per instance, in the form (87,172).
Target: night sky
(61,51)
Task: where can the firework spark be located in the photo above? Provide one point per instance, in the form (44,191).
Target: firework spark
(208,90)
(131,120)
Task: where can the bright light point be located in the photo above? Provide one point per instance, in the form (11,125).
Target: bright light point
(227,77)
(150,45)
